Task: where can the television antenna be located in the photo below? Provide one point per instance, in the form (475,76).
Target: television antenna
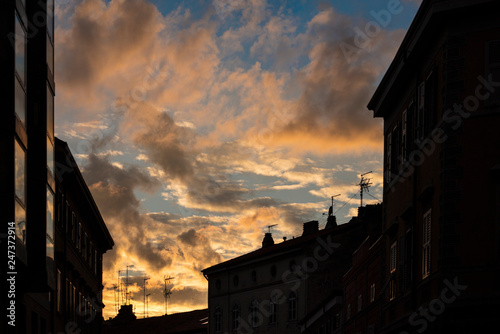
(270,226)
(167,291)
(330,210)
(364,184)
(146,278)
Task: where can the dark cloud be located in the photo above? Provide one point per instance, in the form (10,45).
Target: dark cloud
(190,238)
(113,190)
(102,41)
(331,112)
(199,249)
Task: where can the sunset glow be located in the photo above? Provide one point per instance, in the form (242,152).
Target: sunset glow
(197,124)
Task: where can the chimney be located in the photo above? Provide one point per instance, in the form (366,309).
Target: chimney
(331,222)
(310,227)
(268,240)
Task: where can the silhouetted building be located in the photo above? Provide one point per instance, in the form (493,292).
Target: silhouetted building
(363,286)
(27,164)
(81,239)
(193,322)
(283,287)
(440,101)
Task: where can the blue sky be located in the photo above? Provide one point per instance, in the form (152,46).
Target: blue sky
(197,124)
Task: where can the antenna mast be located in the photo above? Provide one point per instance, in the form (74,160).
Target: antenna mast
(269,227)
(146,278)
(364,184)
(167,292)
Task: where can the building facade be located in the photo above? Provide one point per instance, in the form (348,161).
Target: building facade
(363,286)
(81,239)
(38,193)
(283,287)
(440,101)
(27,165)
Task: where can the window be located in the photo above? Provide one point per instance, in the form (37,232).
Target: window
(292,306)
(273,307)
(429,104)
(236,316)
(395,154)
(218,319)
(50,224)
(50,130)
(273,271)
(50,156)
(50,35)
(254,276)
(406,271)
(20,101)
(20,50)
(410,135)
(79,236)
(360,302)
(50,54)
(20,171)
(91,254)
(388,154)
(348,311)
(20,191)
(84,245)
(420,112)
(426,244)
(95,261)
(393,257)
(58,291)
(392,269)
(372,293)
(254,315)
(20,217)
(74,228)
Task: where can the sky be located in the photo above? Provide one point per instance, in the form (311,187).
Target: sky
(197,124)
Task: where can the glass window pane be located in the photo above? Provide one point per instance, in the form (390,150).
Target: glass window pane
(20,222)
(50,112)
(50,18)
(20,101)
(49,255)
(50,214)
(50,156)
(50,55)
(20,171)
(20,47)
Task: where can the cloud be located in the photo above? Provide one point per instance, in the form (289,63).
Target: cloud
(200,254)
(330,115)
(207,114)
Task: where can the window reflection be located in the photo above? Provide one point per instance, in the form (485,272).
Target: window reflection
(20,103)
(20,47)
(50,156)
(20,217)
(50,55)
(20,171)
(50,215)
(50,112)
(50,18)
